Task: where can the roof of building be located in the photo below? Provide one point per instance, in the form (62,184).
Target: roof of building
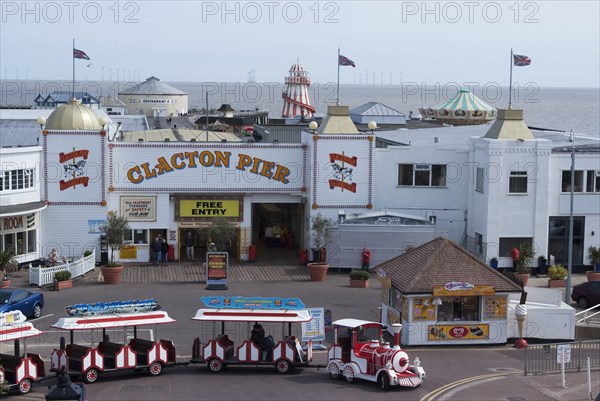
(152,86)
(111,101)
(131,122)
(464,100)
(438,262)
(337,121)
(179,135)
(509,125)
(66,96)
(225,107)
(376,109)
(73,116)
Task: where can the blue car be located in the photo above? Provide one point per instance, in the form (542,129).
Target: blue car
(30,303)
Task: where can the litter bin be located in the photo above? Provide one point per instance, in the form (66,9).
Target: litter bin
(171,253)
(252,253)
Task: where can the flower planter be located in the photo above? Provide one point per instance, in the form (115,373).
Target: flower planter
(112,275)
(5,284)
(557,283)
(359,283)
(61,285)
(317,271)
(524,277)
(593,276)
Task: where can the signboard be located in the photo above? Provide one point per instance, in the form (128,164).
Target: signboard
(252,303)
(95,226)
(112,308)
(217,264)
(457,332)
(314,329)
(494,308)
(423,309)
(563,353)
(139,208)
(209,208)
(460,288)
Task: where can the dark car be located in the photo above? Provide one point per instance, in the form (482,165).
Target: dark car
(586,294)
(30,303)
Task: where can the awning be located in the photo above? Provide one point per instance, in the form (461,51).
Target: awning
(22,208)
(113,321)
(252,315)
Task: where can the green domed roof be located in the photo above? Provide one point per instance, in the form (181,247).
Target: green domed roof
(73,116)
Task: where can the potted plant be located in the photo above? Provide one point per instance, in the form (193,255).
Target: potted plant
(494,263)
(8,263)
(322,236)
(221,232)
(62,280)
(115,227)
(359,278)
(556,276)
(593,257)
(542,265)
(87,253)
(526,255)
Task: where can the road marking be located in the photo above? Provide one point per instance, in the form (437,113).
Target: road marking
(446,388)
(42,317)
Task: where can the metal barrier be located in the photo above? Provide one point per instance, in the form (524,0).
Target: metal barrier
(543,358)
(589,315)
(42,275)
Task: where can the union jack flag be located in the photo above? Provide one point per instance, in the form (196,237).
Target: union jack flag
(520,61)
(80,54)
(345,61)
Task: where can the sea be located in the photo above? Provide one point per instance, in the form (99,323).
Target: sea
(562,109)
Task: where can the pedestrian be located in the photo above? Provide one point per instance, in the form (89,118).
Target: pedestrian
(156,247)
(189,245)
(515,255)
(269,235)
(366,259)
(164,250)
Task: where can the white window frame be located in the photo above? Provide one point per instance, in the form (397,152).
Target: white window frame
(517,175)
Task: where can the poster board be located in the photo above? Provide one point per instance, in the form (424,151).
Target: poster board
(217,270)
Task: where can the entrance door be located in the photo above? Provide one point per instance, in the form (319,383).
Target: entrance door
(285,221)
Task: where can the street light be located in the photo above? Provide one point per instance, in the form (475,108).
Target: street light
(64,389)
(570,248)
(313,127)
(372,125)
(41,120)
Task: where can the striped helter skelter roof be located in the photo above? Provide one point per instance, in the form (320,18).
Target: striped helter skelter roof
(464,100)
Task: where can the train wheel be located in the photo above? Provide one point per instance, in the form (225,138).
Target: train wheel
(349,374)
(91,376)
(283,366)
(334,371)
(384,382)
(215,365)
(155,369)
(24,386)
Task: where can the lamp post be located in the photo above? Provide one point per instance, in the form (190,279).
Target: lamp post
(372,125)
(313,127)
(570,248)
(41,120)
(64,389)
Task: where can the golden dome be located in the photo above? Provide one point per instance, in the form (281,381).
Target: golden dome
(73,116)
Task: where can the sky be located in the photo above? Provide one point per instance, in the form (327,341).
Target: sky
(215,41)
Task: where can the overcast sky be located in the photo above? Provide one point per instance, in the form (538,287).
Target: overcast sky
(463,41)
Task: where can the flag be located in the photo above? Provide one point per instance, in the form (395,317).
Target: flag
(345,61)
(80,54)
(521,61)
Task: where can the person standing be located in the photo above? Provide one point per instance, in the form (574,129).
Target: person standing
(269,235)
(164,250)
(156,247)
(366,259)
(189,246)
(515,255)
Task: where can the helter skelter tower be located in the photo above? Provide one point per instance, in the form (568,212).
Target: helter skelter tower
(295,94)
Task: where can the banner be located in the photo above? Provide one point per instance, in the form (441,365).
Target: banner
(252,302)
(217,264)
(315,329)
(139,208)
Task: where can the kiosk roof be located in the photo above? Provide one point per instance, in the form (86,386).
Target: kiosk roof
(113,321)
(251,315)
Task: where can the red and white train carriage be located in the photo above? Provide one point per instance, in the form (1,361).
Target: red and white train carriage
(359,352)
(134,355)
(221,351)
(19,371)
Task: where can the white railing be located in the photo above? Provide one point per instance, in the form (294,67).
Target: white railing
(45,275)
(588,314)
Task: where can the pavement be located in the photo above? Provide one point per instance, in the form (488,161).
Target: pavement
(510,385)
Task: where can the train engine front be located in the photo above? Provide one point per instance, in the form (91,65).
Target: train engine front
(359,352)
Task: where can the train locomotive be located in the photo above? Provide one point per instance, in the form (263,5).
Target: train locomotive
(359,352)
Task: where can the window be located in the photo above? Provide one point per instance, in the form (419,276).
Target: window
(558,239)
(17,179)
(140,236)
(422,175)
(479,180)
(593,181)
(31,241)
(517,183)
(479,241)
(454,309)
(566,181)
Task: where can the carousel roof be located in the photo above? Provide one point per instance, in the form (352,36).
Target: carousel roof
(152,86)
(464,100)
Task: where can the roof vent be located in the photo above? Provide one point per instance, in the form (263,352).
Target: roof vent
(140,139)
(193,140)
(167,139)
(223,140)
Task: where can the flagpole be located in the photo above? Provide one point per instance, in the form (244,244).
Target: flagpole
(337,102)
(510,87)
(73,57)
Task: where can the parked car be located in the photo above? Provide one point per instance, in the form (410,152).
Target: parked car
(586,294)
(30,303)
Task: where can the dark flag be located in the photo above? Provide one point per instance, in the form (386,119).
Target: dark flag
(520,60)
(345,61)
(80,54)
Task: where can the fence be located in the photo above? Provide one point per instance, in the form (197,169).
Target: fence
(45,275)
(543,358)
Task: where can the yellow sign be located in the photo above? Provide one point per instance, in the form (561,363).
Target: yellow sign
(460,288)
(457,332)
(494,308)
(128,252)
(209,208)
(423,309)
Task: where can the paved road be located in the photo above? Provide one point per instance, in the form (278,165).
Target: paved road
(453,373)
